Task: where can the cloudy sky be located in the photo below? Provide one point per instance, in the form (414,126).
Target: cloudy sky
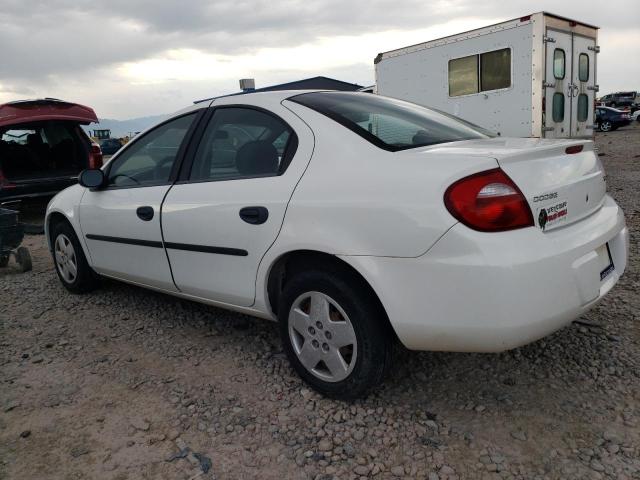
(129,58)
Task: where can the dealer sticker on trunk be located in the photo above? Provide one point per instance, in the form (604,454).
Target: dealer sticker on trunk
(552,215)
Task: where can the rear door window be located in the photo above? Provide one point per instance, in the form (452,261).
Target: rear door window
(583,107)
(242,143)
(558,107)
(583,67)
(559,63)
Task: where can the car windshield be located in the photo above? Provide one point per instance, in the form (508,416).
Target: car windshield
(389,123)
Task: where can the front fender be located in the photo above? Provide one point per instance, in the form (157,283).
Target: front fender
(67,204)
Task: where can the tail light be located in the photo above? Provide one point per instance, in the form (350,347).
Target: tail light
(488,202)
(95,156)
(573,149)
(4,181)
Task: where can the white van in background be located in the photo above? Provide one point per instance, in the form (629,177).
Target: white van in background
(534,76)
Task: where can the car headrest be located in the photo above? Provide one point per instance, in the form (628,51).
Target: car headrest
(34,139)
(257,158)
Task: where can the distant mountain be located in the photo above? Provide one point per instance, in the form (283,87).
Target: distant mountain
(121,128)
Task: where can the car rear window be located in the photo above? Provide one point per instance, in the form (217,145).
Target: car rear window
(389,123)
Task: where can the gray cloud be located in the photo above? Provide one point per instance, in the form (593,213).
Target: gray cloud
(49,43)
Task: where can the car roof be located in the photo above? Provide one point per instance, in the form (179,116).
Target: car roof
(274,95)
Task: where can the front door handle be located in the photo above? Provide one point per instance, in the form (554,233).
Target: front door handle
(145,213)
(254,215)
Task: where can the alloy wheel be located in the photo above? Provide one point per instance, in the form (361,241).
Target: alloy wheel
(322,336)
(66,260)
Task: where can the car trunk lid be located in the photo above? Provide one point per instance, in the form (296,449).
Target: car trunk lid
(28,111)
(562,180)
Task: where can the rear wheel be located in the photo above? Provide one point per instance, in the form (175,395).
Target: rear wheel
(605,126)
(334,333)
(4,261)
(71,265)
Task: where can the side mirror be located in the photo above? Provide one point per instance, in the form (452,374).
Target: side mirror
(91,178)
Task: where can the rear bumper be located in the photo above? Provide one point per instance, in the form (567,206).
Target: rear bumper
(486,292)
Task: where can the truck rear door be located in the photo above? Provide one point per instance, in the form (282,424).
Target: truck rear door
(558,84)
(583,89)
(569,84)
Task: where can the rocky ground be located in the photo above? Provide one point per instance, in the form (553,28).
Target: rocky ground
(125,384)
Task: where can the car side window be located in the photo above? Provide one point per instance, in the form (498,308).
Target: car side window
(242,143)
(149,160)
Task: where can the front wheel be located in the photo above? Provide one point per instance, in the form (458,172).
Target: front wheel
(334,333)
(605,126)
(71,265)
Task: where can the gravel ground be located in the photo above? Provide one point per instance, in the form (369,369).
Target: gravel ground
(125,383)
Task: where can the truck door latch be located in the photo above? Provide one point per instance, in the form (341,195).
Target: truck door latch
(548,39)
(595,88)
(595,48)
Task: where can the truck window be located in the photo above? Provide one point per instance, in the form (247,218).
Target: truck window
(495,70)
(558,107)
(583,107)
(389,123)
(583,67)
(480,73)
(463,76)
(558,63)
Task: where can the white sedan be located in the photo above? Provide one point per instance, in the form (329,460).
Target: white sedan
(353,220)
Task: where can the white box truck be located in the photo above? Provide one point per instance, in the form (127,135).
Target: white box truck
(533,76)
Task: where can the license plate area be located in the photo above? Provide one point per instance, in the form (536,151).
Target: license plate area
(605,261)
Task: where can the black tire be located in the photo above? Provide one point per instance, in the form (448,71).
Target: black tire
(4,261)
(85,279)
(23,257)
(366,317)
(605,126)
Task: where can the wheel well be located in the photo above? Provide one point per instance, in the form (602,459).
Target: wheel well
(288,265)
(54,219)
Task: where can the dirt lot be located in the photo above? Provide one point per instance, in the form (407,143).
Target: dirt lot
(114,384)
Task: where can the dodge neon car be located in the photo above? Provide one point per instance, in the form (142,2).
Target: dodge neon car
(352,220)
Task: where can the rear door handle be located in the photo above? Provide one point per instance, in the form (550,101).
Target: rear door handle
(254,215)
(145,213)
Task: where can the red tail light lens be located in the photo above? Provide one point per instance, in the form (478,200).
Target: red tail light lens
(4,181)
(488,202)
(95,157)
(573,149)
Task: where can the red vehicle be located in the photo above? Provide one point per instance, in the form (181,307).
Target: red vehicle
(43,148)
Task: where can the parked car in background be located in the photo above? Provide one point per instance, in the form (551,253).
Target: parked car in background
(619,99)
(636,116)
(608,118)
(352,219)
(110,146)
(43,148)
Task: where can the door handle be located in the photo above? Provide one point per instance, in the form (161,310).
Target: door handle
(145,213)
(254,215)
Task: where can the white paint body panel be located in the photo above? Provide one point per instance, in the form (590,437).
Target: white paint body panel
(112,213)
(209,212)
(481,292)
(419,74)
(443,285)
